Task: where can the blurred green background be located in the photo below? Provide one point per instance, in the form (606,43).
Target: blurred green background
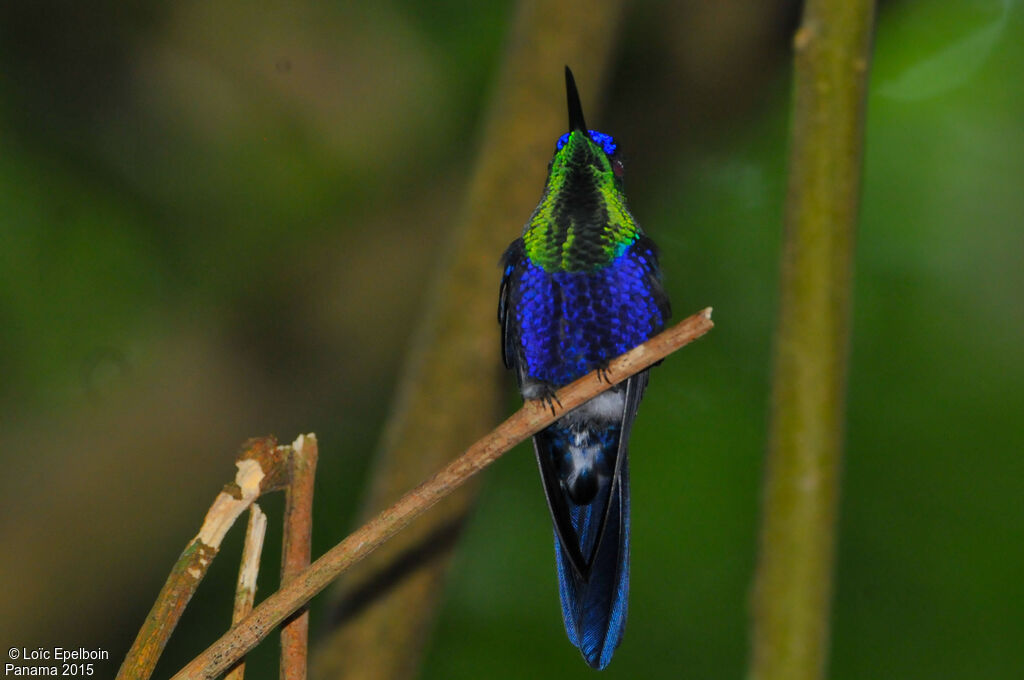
(216,221)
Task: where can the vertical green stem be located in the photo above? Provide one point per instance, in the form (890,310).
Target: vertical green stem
(793,583)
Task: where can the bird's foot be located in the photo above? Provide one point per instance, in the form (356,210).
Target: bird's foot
(602,372)
(547,394)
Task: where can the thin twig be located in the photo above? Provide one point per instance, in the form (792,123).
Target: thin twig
(296,550)
(793,583)
(531,418)
(248,570)
(262,467)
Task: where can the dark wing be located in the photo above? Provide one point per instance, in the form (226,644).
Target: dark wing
(510,262)
(649,251)
(635,387)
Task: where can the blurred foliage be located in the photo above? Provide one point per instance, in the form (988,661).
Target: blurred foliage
(217,220)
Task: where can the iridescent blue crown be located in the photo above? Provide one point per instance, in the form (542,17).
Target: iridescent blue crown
(607,142)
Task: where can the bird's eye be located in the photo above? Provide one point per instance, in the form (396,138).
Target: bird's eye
(617,168)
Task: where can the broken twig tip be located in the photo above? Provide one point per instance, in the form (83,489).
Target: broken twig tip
(301,440)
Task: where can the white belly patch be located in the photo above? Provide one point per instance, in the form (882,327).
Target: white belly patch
(605,407)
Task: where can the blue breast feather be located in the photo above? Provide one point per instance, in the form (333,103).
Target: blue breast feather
(569,323)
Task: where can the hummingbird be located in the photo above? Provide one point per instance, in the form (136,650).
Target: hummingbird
(580,287)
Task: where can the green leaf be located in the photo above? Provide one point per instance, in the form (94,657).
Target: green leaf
(949,67)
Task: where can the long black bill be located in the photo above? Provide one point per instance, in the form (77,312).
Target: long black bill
(572,97)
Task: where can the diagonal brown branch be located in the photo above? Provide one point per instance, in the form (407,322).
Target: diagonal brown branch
(531,418)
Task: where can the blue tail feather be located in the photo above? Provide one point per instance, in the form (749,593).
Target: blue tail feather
(594,605)
(583,460)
